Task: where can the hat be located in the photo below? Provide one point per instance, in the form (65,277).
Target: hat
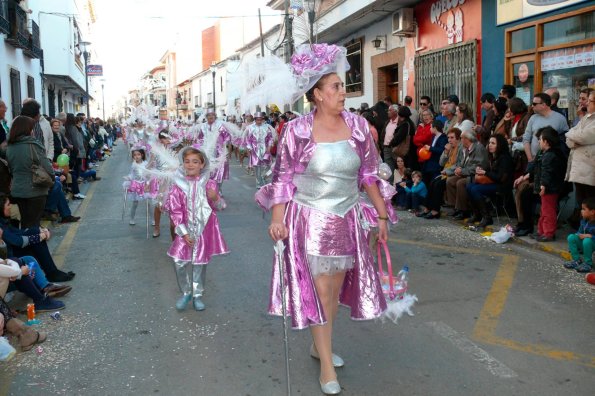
(259,114)
(453,99)
(211,110)
(404,112)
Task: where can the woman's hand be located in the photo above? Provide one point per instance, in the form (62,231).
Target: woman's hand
(25,270)
(188,240)
(278,231)
(382,230)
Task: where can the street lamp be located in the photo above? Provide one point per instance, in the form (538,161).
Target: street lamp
(83,47)
(310,6)
(213,72)
(103,98)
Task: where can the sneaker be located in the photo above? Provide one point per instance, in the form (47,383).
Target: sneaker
(198,304)
(96,178)
(132,222)
(78,196)
(183,301)
(48,304)
(573,264)
(583,268)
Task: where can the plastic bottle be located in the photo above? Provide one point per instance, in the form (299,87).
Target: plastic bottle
(401,283)
(31,312)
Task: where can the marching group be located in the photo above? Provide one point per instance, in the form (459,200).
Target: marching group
(42,162)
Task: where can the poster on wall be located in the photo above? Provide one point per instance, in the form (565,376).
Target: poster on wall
(568,58)
(513,10)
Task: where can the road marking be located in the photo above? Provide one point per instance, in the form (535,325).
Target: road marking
(64,246)
(467,346)
(485,327)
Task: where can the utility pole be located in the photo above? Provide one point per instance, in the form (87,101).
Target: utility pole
(261,38)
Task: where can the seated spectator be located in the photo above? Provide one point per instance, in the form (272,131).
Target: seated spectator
(423,135)
(416,194)
(26,335)
(56,202)
(497,178)
(583,240)
(448,161)
(431,167)
(464,117)
(30,242)
(474,154)
(402,178)
(17,272)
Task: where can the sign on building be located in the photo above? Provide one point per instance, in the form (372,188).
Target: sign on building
(94,70)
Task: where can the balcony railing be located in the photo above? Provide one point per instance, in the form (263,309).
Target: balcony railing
(19,35)
(33,49)
(4,24)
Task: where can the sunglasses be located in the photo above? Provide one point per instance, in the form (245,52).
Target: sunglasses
(535,104)
(422,104)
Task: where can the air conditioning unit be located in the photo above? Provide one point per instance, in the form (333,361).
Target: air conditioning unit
(403,22)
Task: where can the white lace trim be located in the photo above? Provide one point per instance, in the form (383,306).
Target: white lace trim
(329,265)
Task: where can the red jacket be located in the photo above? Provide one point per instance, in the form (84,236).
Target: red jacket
(423,135)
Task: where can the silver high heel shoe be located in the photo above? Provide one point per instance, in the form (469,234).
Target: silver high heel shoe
(330,388)
(337,361)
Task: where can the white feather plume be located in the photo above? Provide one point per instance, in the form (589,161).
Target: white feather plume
(396,308)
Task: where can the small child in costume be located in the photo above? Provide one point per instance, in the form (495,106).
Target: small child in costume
(584,239)
(135,181)
(191,204)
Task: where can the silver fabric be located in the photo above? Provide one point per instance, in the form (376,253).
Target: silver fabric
(260,133)
(191,278)
(133,209)
(199,210)
(329,183)
(260,171)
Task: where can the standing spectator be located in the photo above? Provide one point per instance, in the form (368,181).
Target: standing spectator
(448,110)
(22,152)
(507,91)
(474,155)
(485,129)
(464,118)
(75,136)
(515,122)
(583,100)
(581,161)
(404,128)
(548,181)
(423,137)
(414,114)
(501,115)
(43,130)
(426,103)
(544,116)
(4,130)
(555,96)
(387,137)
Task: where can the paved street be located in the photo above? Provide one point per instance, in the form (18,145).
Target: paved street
(491,319)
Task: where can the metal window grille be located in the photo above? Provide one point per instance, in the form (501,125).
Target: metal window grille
(15,92)
(30,87)
(443,72)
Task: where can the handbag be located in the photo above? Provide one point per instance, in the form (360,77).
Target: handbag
(402,149)
(39,176)
(482,179)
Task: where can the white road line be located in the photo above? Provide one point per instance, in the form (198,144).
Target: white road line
(466,345)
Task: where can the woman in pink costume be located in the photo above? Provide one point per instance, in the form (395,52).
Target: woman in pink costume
(191,205)
(323,159)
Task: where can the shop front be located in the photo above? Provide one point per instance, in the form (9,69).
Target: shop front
(444,57)
(544,45)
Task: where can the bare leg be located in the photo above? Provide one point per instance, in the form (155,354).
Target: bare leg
(328,288)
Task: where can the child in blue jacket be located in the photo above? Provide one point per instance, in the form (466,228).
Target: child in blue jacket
(583,240)
(416,194)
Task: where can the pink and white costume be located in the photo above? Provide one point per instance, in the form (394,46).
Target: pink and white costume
(320,183)
(219,131)
(259,139)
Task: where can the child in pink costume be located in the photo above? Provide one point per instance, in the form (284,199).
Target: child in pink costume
(191,204)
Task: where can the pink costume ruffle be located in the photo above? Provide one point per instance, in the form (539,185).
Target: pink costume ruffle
(209,243)
(224,138)
(361,289)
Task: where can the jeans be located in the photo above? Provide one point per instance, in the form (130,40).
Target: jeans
(57,201)
(477,192)
(41,253)
(389,160)
(576,246)
(39,279)
(401,197)
(414,200)
(89,173)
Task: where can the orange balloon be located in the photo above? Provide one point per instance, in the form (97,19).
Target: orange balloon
(423,154)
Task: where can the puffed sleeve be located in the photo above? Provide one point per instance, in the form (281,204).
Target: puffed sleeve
(281,189)
(175,205)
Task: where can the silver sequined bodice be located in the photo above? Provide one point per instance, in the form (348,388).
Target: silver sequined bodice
(329,183)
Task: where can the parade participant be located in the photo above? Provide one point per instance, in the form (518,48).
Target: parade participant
(220,131)
(135,181)
(158,188)
(323,159)
(259,140)
(248,120)
(191,204)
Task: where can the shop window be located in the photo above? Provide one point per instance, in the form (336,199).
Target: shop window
(522,40)
(353,78)
(578,27)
